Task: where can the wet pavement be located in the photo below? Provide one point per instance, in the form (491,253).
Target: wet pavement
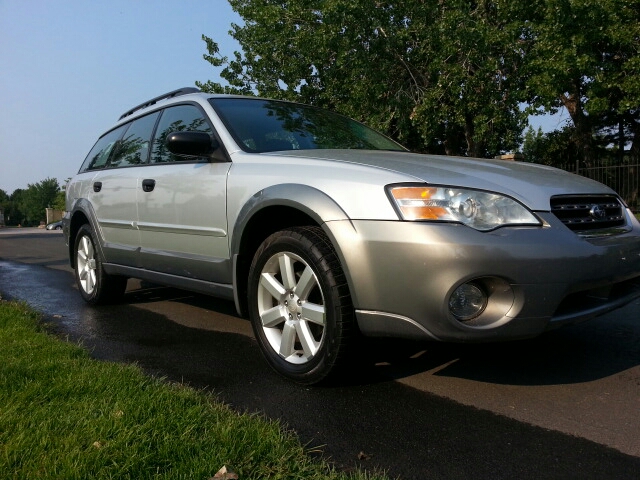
(417,411)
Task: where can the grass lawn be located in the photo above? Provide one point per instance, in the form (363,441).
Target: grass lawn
(64,415)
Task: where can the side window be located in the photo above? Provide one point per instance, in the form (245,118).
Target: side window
(133,149)
(176,119)
(102,150)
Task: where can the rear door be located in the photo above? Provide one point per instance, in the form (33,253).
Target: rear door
(114,190)
(112,195)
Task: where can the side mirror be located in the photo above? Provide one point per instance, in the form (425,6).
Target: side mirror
(192,144)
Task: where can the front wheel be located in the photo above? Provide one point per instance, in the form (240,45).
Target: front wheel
(96,286)
(299,304)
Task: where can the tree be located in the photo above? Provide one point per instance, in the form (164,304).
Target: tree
(586,58)
(13,215)
(437,76)
(4,204)
(59,202)
(533,146)
(557,149)
(4,200)
(36,199)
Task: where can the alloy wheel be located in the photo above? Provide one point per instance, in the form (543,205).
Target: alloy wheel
(291,307)
(86,265)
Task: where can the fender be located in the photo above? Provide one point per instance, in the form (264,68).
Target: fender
(84,206)
(309,200)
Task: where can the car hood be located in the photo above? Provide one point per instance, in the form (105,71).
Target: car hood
(532,184)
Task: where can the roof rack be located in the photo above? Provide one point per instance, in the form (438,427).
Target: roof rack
(148,103)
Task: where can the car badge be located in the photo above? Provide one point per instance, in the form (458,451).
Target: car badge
(597,212)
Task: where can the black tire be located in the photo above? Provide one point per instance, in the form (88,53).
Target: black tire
(96,286)
(304,320)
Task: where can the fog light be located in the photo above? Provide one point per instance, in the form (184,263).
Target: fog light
(467,302)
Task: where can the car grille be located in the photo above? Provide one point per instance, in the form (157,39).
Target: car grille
(585,213)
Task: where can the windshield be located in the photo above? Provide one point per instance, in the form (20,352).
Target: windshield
(259,125)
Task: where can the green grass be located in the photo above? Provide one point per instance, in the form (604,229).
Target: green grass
(64,415)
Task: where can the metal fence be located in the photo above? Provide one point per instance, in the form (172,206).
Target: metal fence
(624,179)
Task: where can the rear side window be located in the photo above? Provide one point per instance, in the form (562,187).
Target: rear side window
(133,148)
(176,119)
(102,150)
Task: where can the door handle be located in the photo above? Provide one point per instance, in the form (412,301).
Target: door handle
(148,184)
(97,186)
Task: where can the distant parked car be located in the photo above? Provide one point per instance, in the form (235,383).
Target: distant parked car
(322,230)
(55,225)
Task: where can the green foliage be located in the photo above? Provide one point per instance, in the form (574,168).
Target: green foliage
(59,201)
(532,145)
(67,416)
(436,76)
(5,202)
(557,149)
(586,55)
(585,58)
(10,206)
(446,77)
(28,207)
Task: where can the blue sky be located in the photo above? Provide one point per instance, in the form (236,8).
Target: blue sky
(70,68)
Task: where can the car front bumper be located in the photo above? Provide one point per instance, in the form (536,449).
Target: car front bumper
(402,274)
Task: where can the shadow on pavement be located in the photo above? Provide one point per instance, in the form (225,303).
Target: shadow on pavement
(574,354)
(412,434)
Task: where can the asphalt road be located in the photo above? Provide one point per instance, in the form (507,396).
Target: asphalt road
(565,405)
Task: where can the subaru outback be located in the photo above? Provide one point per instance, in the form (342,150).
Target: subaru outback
(322,230)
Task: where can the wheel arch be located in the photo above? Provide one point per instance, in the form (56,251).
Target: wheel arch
(82,214)
(271,210)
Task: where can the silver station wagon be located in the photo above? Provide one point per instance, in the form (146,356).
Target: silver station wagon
(322,230)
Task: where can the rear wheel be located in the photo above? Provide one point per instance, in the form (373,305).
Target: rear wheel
(96,286)
(299,304)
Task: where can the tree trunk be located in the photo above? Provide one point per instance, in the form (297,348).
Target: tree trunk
(635,160)
(635,144)
(581,123)
(469,134)
(621,140)
(452,139)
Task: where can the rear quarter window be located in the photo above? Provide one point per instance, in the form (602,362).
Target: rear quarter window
(102,150)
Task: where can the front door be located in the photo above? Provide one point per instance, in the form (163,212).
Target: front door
(182,206)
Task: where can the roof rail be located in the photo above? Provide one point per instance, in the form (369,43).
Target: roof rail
(148,103)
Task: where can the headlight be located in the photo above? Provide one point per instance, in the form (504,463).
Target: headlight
(477,209)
